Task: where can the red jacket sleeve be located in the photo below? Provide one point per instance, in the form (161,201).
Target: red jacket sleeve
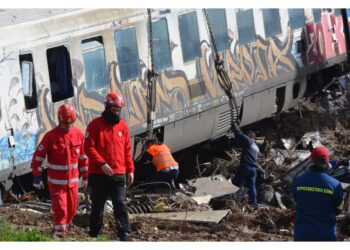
(91,136)
(128,157)
(83,161)
(40,155)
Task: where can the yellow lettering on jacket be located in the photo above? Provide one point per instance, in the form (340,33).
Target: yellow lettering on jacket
(315,189)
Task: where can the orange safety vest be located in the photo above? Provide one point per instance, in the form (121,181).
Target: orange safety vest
(161,156)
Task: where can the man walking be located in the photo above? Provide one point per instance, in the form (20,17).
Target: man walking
(64,149)
(111,169)
(319,198)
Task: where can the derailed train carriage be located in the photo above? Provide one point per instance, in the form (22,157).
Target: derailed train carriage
(273,58)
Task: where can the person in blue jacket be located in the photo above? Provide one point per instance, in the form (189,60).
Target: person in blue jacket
(246,173)
(319,198)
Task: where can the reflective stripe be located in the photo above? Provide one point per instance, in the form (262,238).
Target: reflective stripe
(164,161)
(62,182)
(61,167)
(159,156)
(38,158)
(75,180)
(60,226)
(83,169)
(58,182)
(82,157)
(57,167)
(168,169)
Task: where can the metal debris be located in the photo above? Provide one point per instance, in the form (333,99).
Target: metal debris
(289,143)
(278,197)
(214,216)
(215,186)
(37,206)
(202,199)
(314,137)
(302,167)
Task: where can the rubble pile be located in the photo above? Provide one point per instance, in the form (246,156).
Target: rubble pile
(208,207)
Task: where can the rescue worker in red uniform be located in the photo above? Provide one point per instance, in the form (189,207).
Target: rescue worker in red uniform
(111,169)
(64,148)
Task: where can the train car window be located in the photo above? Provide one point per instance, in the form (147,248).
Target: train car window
(189,35)
(94,63)
(317,15)
(337,12)
(28,81)
(296,18)
(272,22)
(246,27)
(127,53)
(161,45)
(217,18)
(60,73)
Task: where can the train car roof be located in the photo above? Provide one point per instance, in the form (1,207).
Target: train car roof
(16,16)
(19,26)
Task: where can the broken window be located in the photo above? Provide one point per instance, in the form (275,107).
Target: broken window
(127,53)
(296,18)
(246,26)
(161,45)
(94,63)
(217,19)
(189,34)
(60,73)
(28,81)
(317,15)
(272,22)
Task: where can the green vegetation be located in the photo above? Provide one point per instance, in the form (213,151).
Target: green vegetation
(9,234)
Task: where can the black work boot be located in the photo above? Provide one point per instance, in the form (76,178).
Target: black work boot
(94,234)
(124,237)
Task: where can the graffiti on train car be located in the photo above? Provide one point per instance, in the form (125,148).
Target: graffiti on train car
(324,39)
(177,95)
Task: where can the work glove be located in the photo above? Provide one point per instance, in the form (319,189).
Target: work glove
(38,182)
(107,169)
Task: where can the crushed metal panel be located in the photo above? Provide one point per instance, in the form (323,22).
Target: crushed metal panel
(215,186)
(202,199)
(214,216)
(297,170)
(315,137)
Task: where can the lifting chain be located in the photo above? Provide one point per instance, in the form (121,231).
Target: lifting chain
(223,78)
(152,80)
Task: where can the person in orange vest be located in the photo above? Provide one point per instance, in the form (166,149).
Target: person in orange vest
(167,169)
(64,148)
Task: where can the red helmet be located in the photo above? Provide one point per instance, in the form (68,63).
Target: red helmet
(114,99)
(320,154)
(66,113)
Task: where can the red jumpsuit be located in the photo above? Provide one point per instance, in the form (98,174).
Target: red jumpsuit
(65,160)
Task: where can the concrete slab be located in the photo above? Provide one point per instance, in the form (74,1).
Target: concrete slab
(216,186)
(214,216)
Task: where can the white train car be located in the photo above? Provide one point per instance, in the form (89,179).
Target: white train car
(57,56)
